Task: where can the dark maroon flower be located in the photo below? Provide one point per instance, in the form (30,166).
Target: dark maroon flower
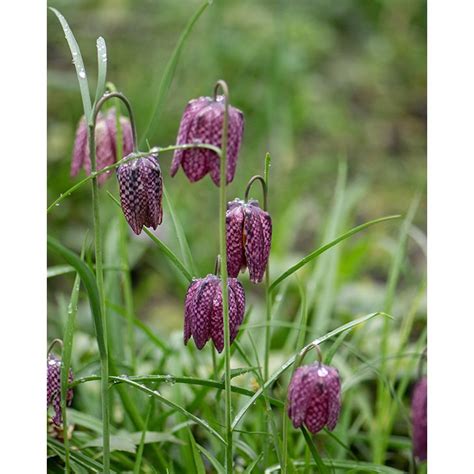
(202,123)
(314,397)
(105,142)
(54,387)
(249,236)
(419,415)
(203,311)
(141,189)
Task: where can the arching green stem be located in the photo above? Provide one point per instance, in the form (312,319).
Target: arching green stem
(252,180)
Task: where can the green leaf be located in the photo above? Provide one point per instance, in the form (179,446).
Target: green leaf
(290,361)
(327,246)
(217,465)
(169,73)
(58,270)
(183,243)
(78,63)
(117,443)
(251,466)
(198,465)
(82,459)
(162,246)
(314,452)
(101,68)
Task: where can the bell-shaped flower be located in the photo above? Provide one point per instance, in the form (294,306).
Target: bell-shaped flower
(53,388)
(249,236)
(203,311)
(141,190)
(105,143)
(419,416)
(314,397)
(202,123)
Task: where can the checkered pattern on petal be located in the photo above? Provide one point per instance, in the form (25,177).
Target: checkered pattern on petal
(53,389)
(314,397)
(235,134)
(191,109)
(131,197)
(105,149)
(189,308)
(80,145)
(235,244)
(203,304)
(150,176)
(254,244)
(127,135)
(419,415)
(217,321)
(236,316)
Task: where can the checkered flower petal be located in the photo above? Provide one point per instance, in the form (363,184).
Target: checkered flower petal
(314,397)
(105,140)
(203,311)
(419,416)
(53,389)
(141,188)
(202,123)
(235,239)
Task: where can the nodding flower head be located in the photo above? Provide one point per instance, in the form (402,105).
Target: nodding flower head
(54,387)
(105,143)
(419,416)
(202,123)
(141,189)
(314,397)
(203,311)
(249,236)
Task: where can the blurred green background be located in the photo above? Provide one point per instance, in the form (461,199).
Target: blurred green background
(321,84)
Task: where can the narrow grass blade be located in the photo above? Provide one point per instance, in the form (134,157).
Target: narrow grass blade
(78,63)
(198,465)
(169,73)
(101,68)
(58,270)
(327,246)
(77,456)
(138,459)
(251,466)
(183,243)
(162,246)
(314,452)
(215,463)
(177,407)
(290,361)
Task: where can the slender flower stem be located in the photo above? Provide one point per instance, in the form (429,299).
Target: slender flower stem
(223,262)
(100,285)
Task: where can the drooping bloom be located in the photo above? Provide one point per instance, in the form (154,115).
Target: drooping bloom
(203,311)
(105,143)
(202,123)
(249,236)
(141,189)
(54,387)
(419,415)
(314,397)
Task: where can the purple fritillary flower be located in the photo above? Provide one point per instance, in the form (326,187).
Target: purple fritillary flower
(419,415)
(54,387)
(314,397)
(202,123)
(249,237)
(105,142)
(141,190)
(203,311)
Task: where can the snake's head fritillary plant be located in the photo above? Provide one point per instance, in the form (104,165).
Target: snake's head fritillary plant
(105,140)
(203,311)
(419,415)
(202,123)
(141,190)
(54,387)
(314,397)
(249,236)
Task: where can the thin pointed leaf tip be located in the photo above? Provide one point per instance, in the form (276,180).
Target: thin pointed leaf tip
(202,123)
(249,236)
(105,140)
(203,318)
(419,416)
(141,191)
(314,397)
(54,387)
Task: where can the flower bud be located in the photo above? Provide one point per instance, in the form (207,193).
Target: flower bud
(203,311)
(105,143)
(141,189)
(249,236)
(419,416)
(314,397)
(54,387)
(202,123)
